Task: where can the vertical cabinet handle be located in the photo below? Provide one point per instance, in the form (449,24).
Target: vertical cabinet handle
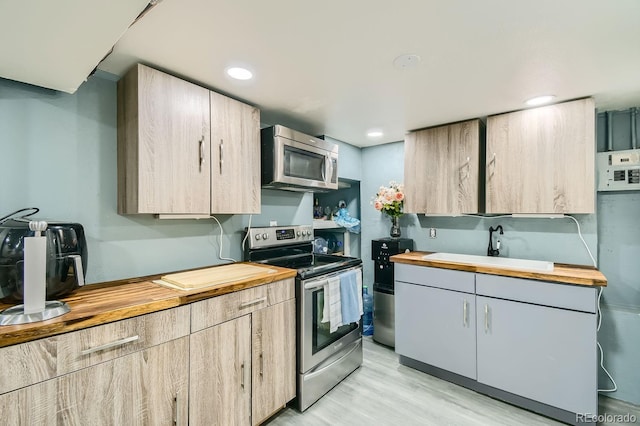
(201,142)
(468,168)
(486,318)
(464,313)
(221,154)
(492,164)
(176,411)
(242,375)
(262,365)
(465,169)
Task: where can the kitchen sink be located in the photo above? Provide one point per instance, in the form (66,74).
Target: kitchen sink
(492,261)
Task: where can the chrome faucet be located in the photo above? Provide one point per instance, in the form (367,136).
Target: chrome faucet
(490,249)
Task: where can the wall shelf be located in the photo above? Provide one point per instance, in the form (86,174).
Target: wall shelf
(330,225)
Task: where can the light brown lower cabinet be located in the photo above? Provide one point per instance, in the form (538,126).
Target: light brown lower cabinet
(274,352)
(148,387)
(243,370)
(220,374)
(33,405)
(236,367)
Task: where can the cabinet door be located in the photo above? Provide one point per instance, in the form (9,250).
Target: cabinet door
(30,362)
(163,144)
(542,160)
(220,376)
(274,359)
(545,354)
(441,169)
(235,156)
(146,387)
(415,174)
(437,327)
(32,405)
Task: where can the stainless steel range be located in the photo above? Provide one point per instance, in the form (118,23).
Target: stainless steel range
(324,358)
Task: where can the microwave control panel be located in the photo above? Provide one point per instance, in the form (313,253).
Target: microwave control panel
(618,170)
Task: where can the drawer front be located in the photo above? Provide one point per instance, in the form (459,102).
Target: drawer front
(447,279)
(216,310)
(566,296)
(27,363)
(280,291)
(83,348)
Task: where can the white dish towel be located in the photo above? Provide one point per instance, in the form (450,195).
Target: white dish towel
(332,310)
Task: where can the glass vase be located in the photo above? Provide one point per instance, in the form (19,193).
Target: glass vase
(395,227)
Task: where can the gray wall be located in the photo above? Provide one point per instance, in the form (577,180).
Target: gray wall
(619,255)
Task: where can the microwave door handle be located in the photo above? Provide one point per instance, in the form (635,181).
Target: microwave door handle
(330,169)
(326,173)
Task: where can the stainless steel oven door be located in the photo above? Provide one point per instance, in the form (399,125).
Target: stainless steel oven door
(305,165)
(316,342)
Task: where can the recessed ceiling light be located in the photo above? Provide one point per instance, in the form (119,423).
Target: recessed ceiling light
(540,100)
(374,134)
(406,61)
(239,73)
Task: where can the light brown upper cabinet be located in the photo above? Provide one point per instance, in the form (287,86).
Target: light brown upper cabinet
(542,160)
(166,162)
(235,156)
(442,169)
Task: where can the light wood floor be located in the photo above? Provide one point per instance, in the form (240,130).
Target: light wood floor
(383,392)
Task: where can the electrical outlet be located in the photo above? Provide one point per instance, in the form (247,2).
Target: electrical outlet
(273,223)
(432,232)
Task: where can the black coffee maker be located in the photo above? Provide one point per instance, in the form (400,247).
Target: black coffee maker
(66,258)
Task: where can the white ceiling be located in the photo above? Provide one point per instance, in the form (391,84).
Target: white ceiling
(326,67)
(56,44)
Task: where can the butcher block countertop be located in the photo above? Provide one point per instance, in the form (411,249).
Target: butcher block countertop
(562,273)
(96,304)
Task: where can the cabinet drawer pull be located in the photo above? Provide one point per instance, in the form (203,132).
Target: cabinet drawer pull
(253,302)
(464,313)
(110,345)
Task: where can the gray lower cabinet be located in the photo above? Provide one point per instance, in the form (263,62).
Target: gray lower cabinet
(530,342)
(437,327)
(543,353)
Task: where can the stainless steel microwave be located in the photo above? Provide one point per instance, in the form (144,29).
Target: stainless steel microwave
(295,161)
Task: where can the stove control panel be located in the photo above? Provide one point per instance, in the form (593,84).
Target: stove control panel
(279,235)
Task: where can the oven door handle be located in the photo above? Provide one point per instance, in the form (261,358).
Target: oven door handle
(314,284)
